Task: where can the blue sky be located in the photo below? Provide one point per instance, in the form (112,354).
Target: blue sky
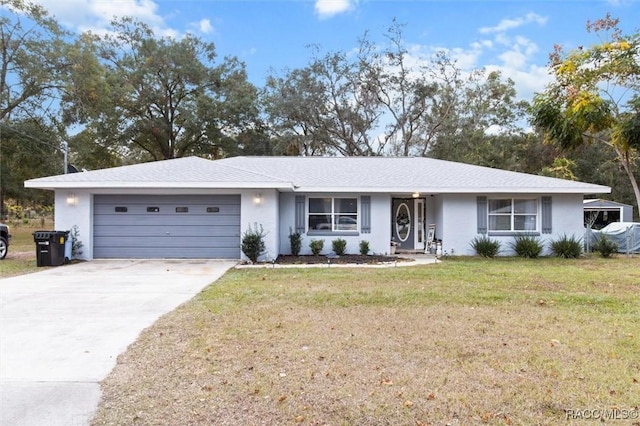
(514,37)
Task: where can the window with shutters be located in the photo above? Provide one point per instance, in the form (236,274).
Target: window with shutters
(513,214)
(333,214)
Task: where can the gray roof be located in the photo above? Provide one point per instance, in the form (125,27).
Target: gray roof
(188,172)
(319,174)
(598,203)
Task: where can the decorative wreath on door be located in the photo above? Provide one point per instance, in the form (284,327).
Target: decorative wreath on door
(403,219)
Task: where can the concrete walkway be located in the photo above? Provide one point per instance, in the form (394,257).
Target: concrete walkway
(409,259)
(62,329)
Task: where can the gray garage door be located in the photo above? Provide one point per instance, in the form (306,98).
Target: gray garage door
(166,226)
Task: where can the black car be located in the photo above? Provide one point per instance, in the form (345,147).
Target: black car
(5,237)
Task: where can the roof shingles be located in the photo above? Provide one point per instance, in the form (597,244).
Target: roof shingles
(315,174)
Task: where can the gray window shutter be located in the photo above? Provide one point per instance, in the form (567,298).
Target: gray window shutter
(365,216)
(482,215)
(300,214)
(546,215)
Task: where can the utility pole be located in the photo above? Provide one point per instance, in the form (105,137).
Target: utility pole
(65,149)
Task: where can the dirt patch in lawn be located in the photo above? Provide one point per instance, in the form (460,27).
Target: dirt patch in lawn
(20,254)
(353,259)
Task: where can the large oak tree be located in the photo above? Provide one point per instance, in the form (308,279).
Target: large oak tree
(166,98)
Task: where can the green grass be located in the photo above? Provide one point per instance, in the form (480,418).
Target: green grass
(22,233)
(21,258)
(572,283)
(467,341)
(10,267)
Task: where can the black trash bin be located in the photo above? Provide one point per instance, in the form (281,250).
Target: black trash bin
(50,247)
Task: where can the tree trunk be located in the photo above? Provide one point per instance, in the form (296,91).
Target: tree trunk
(626,165)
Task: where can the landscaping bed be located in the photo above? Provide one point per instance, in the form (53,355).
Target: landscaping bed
(344,259)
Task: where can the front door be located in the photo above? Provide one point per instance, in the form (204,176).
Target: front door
(402,223)
(407,223)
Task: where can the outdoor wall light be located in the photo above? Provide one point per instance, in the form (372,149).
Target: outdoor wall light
(415,194)
(72,200)
(257,199)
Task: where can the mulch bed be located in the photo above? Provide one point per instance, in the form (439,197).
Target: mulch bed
(344,259)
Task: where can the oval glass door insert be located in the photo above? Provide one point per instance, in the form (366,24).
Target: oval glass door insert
(403,222)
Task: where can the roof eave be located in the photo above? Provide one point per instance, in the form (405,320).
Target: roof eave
(155,185)
(595,189)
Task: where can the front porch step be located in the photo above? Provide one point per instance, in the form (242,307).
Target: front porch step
(413,252)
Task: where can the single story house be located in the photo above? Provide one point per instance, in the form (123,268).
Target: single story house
(197,208)
(599,213)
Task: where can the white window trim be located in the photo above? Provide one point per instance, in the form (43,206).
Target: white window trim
(512,215)
(332,231)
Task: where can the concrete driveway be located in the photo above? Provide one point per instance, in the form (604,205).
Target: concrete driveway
(62,329)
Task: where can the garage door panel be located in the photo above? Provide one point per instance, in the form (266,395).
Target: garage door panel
(178,231)
(168,253)
(165,209)
(170,241)
(176,226)
(156,220)
(166,199)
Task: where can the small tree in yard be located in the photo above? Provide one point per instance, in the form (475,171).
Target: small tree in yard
(253,243)
(295,239)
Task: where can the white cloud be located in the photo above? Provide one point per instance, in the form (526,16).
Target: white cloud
(528,80)
(96,15)
(205,26)
(329,8)
(519,53)
(513,57)
(502,39)
(508,24)
(482,44)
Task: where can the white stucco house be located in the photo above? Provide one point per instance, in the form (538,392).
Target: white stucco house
(197,208)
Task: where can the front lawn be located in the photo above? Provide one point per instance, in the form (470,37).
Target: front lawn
(21,258)
(467,341)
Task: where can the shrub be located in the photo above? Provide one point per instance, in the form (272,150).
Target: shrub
(76,244)
(527,246)
(295,239)
(364,247)
(567,247)
(316,246)
(605,246)
(253,243)
(485,246)
(339,246)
